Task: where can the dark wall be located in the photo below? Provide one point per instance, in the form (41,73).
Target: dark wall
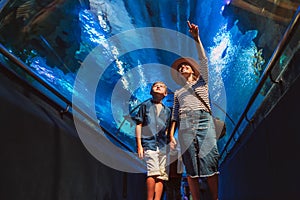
(267,165)
(43,158)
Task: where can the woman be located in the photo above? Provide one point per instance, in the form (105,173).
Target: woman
(196,134)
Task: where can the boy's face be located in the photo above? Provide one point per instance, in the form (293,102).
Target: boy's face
(159,88)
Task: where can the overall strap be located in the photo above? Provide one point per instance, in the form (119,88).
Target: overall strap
(199,97)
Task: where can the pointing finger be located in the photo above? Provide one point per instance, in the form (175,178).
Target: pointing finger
(189,24)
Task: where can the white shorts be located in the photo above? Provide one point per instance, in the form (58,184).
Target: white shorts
(156,164)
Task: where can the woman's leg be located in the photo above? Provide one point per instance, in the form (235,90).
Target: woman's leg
(177,192)
(194,187)
(212,182)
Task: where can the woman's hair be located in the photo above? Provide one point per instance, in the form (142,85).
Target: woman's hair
(194,77)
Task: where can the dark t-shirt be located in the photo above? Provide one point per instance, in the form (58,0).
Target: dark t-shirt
(153,127)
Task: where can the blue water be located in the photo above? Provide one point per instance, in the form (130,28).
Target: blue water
(232,55)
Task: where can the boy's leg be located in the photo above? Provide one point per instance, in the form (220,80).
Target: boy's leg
(159,185)
(153,171)
(150,187)
(162,163)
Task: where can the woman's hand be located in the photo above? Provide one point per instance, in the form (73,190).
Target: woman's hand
(194,30)
(173,143)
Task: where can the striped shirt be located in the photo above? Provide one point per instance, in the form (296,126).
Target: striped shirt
(185,100)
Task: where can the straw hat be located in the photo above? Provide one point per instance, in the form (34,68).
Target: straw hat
(177,77)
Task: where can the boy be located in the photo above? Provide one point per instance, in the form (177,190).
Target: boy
(152,121)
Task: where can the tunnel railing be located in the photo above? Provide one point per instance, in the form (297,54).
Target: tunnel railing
(67,102)
(267,72)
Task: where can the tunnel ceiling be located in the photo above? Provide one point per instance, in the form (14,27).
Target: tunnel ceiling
(54,38)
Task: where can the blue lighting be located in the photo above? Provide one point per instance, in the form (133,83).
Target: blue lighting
(235,60)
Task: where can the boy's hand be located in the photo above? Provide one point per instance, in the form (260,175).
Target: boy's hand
(140,151)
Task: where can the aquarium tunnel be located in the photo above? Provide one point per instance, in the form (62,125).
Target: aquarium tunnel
(73,73)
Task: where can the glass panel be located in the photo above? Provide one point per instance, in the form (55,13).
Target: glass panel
(56,38)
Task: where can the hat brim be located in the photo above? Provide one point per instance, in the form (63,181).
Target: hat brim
(177,77)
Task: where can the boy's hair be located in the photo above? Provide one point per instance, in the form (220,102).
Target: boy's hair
(159,82)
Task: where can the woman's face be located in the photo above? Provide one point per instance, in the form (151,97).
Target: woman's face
(185,68)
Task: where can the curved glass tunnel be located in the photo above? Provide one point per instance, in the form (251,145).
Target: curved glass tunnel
(106,54)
